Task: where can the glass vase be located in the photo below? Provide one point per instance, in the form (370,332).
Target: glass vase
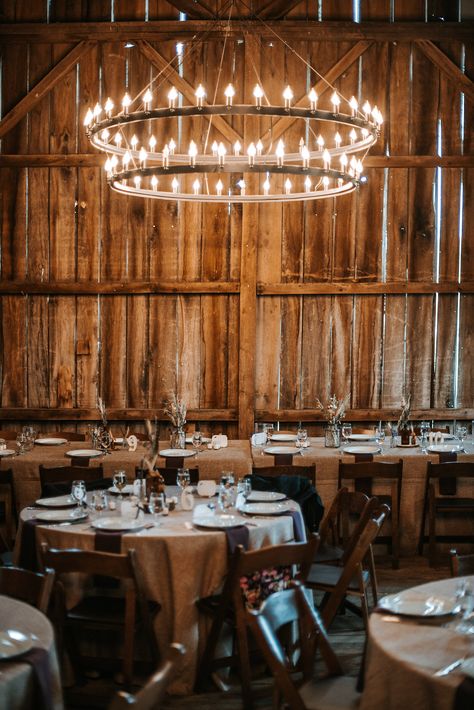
(332,436)
(178,438)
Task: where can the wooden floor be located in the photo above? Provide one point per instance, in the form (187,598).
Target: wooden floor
(346,634)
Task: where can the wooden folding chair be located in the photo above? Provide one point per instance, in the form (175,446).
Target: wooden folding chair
(363,475)
(62,476)
(9,515)
(335,691)
(230,606)
(352,579)
(308,472)
(99,611)
(153,692)
(441,496)
(461,565)
(31,587)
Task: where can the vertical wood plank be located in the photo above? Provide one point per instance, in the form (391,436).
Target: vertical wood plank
(419,350)
(466,370)
(367,352)
(444,366)
(341,345)
(14,349)
(316,350)
(394,351)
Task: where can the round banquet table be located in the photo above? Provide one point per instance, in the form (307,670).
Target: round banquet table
(17,685)
(403,655)
(179,563)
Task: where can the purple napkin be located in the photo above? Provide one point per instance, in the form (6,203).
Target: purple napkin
(27,557)
(38,659)
(237,536)
(464,698)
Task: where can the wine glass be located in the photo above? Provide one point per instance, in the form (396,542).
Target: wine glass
(379,433)
(78,493)
(183,478)
(197,441)
(21,443)
(99,501)
(244,487)
(120,481)
(346,431)
(301,438)
(269,430)
(156,503)
(461,433)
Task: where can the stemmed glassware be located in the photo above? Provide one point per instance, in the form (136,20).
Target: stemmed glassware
(379,434)
(301,438)
(197,441)
(244,487)
(424,429)
(465,598)
(156,503)
(78,493)
(346,431)
(461,433)
(99,501)
(183,478)
(269,430)
(120,481)
(21,443)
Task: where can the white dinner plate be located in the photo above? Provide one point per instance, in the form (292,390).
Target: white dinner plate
(177,453)
(361,437)
(283,437)
(60,516)
(126,490)
(118,523)
(264,508)
(13,643)
(445,449)
(7,452)
(51,441)
(218,522)
(281,450)
(87,453)
(413,603)
(65,501)
(265,496)
(204,440)
(407,446)
(362,450)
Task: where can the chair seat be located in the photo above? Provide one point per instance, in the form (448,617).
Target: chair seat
(102,610)
(329,575)
(328,553)
(335,693)
(466,504)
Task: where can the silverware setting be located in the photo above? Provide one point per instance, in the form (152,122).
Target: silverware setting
(450,668)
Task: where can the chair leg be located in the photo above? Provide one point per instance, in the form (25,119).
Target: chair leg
(244,663)
(365,610)
(432,536)
(395,543)
(372,575)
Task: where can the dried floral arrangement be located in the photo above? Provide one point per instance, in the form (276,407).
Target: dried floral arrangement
(175,409)
(102,411)
(334,409)
(405,413)
(149,460)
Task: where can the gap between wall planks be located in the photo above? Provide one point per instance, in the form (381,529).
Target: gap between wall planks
(207,334)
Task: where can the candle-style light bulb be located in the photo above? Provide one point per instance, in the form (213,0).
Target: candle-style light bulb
(354,104)
(305,156)
(219,187)
(174,185)
(359,168)
(200,94)
(126,159)
(366,108)
(258,94)
(242,186)
(326,182)
(165,157)
(108,166)
(172,146)
(237,148)
(215,148)
(118,139)
(192,152)
(313,99)
(221,151)
(343,160)
(353,136)
(108,107)
(172,96)
(134,142)
(251,152)
(288,186)
(320,142)
(152,143)
(196,186)
(288,95)
(280,153)
(147,97)
(307,184)
(88,118)
(229,94)
(97,111)
(142,156)
(113,162)
(154,182)
(105,135)
(337,139)
(364,132)
(137,180)
(126,101)
(326,159)
(266,187)
(335,100)
(259,147)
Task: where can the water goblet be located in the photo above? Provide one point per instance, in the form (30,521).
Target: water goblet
(99,501)
(21,443)
(120,481)
(78,493)
(197,441)
(379,433)
(156,503)
(346,431)
(461,433)
(269,430)
(227,478)
(301,438)
(244,487)
(183,478)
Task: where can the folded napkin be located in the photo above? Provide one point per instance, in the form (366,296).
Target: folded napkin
(219,441)
(27,557)
(299,489)
(259,439)
(38,659)
(237,536)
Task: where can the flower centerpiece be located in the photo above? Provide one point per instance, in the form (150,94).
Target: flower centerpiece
(334,410)
(176,409)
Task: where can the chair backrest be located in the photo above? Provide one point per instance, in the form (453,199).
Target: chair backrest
(364,472)
(151,695)
(31,587)
(69,435)
(338,523)
(6,480)
(279,610)
(447,473)
(68,474)
(8,434)
(461,565)
(308,471)
(169,476)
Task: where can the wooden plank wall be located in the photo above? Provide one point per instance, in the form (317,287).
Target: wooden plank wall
(237,352)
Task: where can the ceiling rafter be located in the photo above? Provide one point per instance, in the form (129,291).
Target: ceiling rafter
(194,8)
(277,9)
(184,87)
(43,87)
(448,67)
(322,85)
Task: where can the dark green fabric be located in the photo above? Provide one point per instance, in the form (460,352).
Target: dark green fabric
(299,489)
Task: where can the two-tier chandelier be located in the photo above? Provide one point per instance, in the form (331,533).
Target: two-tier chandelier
(145,155)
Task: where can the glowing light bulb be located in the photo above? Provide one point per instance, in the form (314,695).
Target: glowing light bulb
(251,152)
(165,156)
(215,148)
(172,96)
(366,108)
(88,118)
(307,184)
(337,139)
(105,135)
(118,139)
(154,182)
(192,152)
(126,101)
(97,111)
(364,132)
(219,187)
(196,187)
(134,141)
(172,146)
(242,186)
(237,148)
(229,94)
(305,156)
(288,95)
(326,159)
(113,162)
(137,180)
(126,159)
(354,104)
(142,156)
(343,160)
(288,186)
(174,185)
(200,94)
(353,136)
(109,105)
(320,142)
(152,143)
(259,147)
(326,182)
(221,151)
(280,153)
(335,100)
(266,187)
(359,168)
(147,97)
(313,99)
(258,94)
(108,166)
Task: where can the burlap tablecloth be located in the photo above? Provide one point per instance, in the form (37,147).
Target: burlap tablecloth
(17,686)
(413,483)
(402,657)
(235,457)
(179,566)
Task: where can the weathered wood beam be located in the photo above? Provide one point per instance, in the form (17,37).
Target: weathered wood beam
(186,89)
(44,86)
(362,288)
(193,8)
(321,86)
(113,414)
(277,9)
(162,30)
(315,415)
(122,288)
(93,160)
(448,67)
